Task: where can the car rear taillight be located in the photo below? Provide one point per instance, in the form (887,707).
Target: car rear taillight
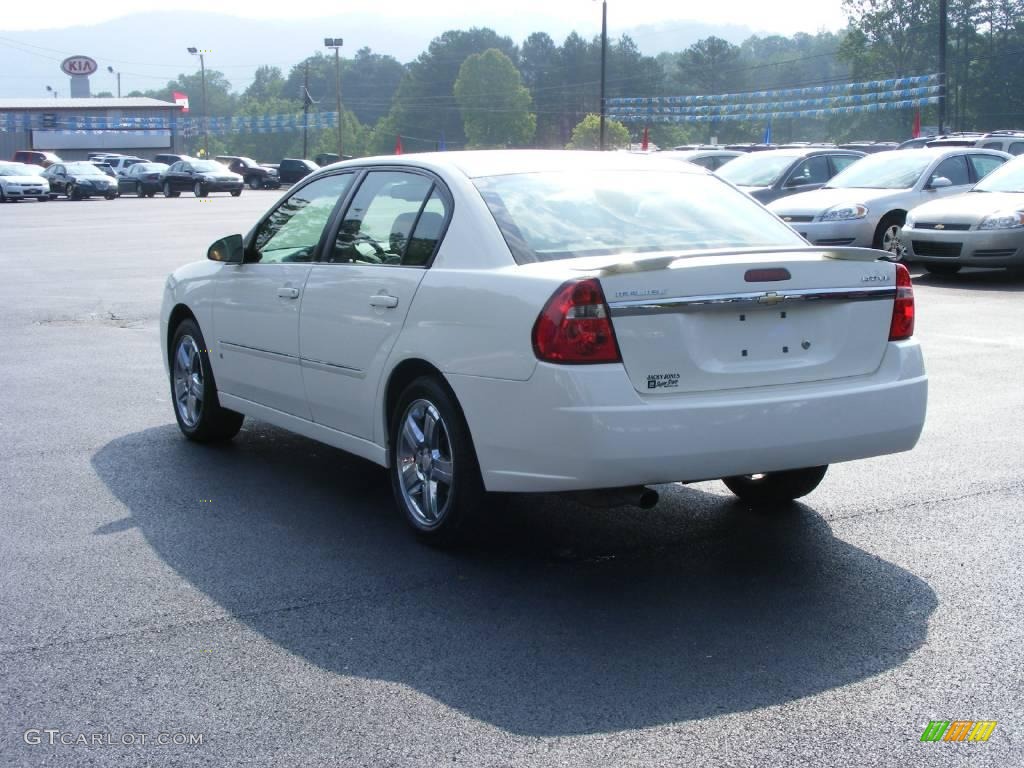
(575,327)
(902,325)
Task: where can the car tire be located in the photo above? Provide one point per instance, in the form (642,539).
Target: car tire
(168,192)
(888,238)
(440,511)
(774,488)
(198,190)
(111,195)
(255,182)
(236,193)
(197,409)
(943,269)
(43,198)
(72,192)
(3,197)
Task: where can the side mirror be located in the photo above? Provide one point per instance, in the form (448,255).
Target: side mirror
(938,182)
(228,250)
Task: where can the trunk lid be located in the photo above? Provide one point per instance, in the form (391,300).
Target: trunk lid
(740,320)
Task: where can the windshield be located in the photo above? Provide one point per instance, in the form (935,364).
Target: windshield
(209,166)
(19,170)
(885,170)
(563,215)
(84,169)
(1006,178)
(756,170)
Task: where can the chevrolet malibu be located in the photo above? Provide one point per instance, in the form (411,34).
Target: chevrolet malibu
(545,322)
(866,205)
(981,228)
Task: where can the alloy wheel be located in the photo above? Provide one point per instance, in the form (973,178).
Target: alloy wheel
(188,382)
(425,464)
(893,243)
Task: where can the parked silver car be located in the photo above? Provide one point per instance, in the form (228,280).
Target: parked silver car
(776,173)
(981,228)
(866,205)
(712,159)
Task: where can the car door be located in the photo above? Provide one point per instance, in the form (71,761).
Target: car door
(256,310)
(126,184)
(358,296)
(181,179)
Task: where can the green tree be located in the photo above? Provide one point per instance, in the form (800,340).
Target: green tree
(425,107)
(587,134)
(369,83)
(268,83)
(495,106)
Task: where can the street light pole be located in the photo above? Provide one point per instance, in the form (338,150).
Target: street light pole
(604,56)
(206,115)
(336,43)
(111,71)
(943,26)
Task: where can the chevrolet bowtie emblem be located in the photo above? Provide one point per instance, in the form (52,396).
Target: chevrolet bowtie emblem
(787,218)
(771,298)
(940,226)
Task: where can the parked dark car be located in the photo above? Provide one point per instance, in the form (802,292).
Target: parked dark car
(326,158)
(253,174)
(32,157)
(201,177)
(292,169)
(141,179)
(769,175)
(79,181)
(170,158)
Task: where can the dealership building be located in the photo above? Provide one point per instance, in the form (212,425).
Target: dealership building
(74,127)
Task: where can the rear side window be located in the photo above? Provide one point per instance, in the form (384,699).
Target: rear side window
(570,214)
(983,165)
(954,169)
(292,232)
(1017,148)
(706,162)
(842,162)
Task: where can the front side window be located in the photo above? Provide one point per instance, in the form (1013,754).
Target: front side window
(1017,148)
(842,162)
(954,169)
(390,221)
(569,214)
(292,232)
(813,170)
(756,169)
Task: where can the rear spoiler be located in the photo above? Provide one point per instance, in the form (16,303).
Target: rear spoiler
(641,263)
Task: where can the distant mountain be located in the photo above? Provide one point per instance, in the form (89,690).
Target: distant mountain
(149,48)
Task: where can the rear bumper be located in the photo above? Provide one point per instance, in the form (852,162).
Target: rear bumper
(584,427)
(970,248)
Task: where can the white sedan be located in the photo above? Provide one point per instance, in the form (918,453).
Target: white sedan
(21,182)
(546,322)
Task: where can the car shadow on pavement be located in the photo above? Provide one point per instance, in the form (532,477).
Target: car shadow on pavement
(561,620)
(1000,280)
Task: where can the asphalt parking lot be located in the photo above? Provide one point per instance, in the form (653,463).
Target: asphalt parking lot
(266,596)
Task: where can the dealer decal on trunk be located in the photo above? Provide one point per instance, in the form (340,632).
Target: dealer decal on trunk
(662,380)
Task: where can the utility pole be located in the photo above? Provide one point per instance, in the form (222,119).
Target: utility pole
(305,114)
(113,72)
(943,31)
(336,43)
(206,114)
(604,56)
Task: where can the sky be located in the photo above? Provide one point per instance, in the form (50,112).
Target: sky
(785,17)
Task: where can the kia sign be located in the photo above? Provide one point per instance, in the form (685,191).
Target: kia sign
(78,65)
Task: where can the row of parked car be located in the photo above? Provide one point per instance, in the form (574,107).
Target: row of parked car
(43,175)
(920,206)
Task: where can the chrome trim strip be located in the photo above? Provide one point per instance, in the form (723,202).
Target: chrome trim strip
(319,365)
(755,299)
(265,354)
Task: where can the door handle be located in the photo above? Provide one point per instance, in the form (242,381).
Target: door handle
(288,293)
(383,300)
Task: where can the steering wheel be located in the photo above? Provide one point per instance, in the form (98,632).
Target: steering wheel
(379,254)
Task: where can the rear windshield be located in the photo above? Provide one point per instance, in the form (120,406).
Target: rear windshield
(564,215)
